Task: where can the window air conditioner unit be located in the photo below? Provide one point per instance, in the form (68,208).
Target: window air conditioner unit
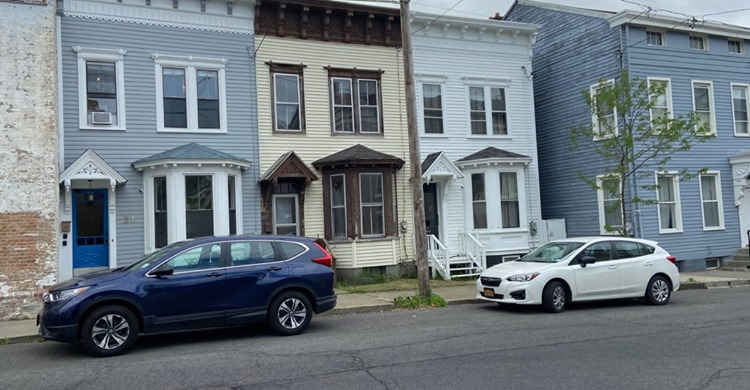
(101,118)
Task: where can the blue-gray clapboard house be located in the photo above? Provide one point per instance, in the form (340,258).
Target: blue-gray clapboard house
(158,138)
(704,66)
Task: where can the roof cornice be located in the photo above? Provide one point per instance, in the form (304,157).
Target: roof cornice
(678,24)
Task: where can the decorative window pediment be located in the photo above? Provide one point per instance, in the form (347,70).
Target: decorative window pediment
(439,166)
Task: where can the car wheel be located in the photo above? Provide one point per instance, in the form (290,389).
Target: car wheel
(109,331)
(290,313)
(658,291)
(554,297)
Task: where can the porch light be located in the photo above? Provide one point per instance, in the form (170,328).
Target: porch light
(90,195)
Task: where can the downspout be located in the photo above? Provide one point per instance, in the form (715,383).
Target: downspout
(60,110)
(625,64)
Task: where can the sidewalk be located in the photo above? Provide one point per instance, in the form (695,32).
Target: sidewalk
(14,331)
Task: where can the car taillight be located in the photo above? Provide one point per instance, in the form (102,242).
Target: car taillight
(325,260)
(672,259)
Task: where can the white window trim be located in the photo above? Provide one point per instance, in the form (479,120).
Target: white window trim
(422,124)
(190,64)
(595,120)
(703,37)
(747,103)
(493,199)
(176,208)
(658,31)
(677,201)
(742,46)
(362,205)
(333,232)
(499,83)
(333,105)
(716,174)
(299,103)
(667,94)
(600,204)
(710,101)
(377,107)
(296,212)
(107,55)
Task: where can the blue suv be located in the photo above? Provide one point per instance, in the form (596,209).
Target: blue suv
(195,284)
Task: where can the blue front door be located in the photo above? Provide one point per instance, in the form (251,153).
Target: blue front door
(90,229)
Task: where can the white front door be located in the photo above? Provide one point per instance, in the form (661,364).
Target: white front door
(285,214)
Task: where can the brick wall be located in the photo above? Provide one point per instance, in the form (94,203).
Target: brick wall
(29,191)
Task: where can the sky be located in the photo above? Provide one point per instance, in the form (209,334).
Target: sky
(700,9)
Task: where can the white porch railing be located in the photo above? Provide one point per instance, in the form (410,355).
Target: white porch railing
(473,249)
(437,254)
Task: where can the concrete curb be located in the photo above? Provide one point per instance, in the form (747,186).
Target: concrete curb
(390,307)
(713,285)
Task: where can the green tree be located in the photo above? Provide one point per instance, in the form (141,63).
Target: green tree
(634,135)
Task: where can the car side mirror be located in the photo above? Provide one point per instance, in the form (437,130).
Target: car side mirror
(586,260)
(164,270)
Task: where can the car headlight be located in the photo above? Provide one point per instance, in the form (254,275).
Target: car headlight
(522,277)
(61,295)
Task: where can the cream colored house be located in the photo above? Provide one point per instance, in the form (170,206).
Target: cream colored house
(332,131)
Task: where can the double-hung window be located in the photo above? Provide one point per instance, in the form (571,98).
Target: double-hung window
(609,197)
(655,38)
(288,97)
(711,205)
(604,114)
(735,46)
(488,110)
(698,42)
(191,94)
(703,104)
(479,200)
(668,200)
(662,108)
(101,88)
(371,203)
(740,108)
(338,205)
(509,209)
(432,108)
(356,101)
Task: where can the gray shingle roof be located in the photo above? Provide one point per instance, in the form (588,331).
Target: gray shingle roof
(190,152)
(358,154)
(491,152)
(429,160)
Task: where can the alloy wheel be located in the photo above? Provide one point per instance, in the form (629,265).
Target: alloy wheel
(292,313)
(660,290)
(110,331)
(558,298)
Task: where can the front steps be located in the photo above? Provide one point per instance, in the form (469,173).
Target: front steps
(462,267)
(740,261)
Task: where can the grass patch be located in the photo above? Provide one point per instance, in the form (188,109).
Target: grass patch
(417,301)
(394,284)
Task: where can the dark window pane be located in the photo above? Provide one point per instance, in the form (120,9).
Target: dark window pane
(175,112)
(499,123)
(433,125)
(476,98)
(498,99)
(287,116)
(208,84)
(291,249)
(369,119)
(100,78)
(231,190)
(343,117)
(342,92)
(208,114)
(160,211)
(199,206)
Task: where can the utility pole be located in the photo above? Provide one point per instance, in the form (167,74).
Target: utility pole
(415,180)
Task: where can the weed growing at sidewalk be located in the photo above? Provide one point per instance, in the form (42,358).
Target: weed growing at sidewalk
(417,301)
(396,284)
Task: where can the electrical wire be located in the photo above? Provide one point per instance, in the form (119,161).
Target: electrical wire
(436,19)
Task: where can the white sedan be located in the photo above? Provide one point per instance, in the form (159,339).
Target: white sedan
(583,269)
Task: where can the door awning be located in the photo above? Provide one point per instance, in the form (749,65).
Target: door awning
(438,166)
(89,166)
(288,166)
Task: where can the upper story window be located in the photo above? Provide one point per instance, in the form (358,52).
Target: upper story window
(735,46)
(287,93)
(604,114)
(668,200)
(663,102)
(703,104)
(698,42)
(101,88)
(487,109)
(655,38)
(190,94)
(356,101)
(740,108)
(432,108)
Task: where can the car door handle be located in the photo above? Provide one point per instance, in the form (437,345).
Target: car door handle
(214,274)
(274,268)
(649,264)
(612,267)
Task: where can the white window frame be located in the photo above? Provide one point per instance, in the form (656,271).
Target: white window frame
(677,203)
(422,119)
(334,105)
(667,94)
(359,106)
(176,207)
(492,197)
(742,45)
(662,33)
(296,212)
(732,86)
(500,197)
(487,85)
(598,134)
(191,65)
(702,37)
(116,56)
(299,103)
(717,176)
(712,107)
(333,220)
(600,204)
(362,205)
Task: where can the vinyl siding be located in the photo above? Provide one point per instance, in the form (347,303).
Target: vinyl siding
(318,141)
(140,139)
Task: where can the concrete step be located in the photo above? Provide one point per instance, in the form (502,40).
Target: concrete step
(738,263)
(741,257)
(735,269)
(743,251)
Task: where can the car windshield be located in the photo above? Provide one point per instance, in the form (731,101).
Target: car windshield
(150,258)
(552,252)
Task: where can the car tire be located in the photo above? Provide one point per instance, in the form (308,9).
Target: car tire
(109,331)
(658,291)
(290,313)
(554,297)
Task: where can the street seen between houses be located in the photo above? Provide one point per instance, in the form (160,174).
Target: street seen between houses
(698,341)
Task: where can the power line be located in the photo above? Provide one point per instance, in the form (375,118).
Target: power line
(727,12)
(436,19)
(460,11)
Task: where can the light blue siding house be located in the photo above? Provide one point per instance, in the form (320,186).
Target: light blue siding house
(704,221)
(158,129)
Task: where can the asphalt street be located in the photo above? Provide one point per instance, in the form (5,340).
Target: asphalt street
(701,340)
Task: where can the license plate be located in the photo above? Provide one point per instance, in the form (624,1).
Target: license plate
(489,293)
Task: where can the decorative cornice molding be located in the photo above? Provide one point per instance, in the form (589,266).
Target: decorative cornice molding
(158,17)
(470,53)
(169,59)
